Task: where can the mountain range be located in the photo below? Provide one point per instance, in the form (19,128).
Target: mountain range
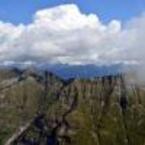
(40,108)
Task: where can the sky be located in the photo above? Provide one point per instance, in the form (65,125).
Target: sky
(22,11)
(100,32)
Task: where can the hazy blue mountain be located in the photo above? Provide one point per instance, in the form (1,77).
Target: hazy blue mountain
(66,71)
(83,71)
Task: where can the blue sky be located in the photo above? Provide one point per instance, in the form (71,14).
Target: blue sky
(69,34)
(21,11)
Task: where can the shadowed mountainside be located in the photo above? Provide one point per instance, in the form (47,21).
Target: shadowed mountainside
(38,108)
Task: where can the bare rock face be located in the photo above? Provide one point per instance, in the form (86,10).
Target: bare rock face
(41,109)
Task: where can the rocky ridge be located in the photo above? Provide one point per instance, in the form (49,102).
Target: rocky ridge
(39,108)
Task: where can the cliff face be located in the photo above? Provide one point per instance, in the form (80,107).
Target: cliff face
(41,109)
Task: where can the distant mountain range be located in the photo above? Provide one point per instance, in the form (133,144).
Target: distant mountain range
(66,71)
(83,71)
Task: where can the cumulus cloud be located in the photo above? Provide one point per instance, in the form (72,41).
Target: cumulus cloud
(64,34)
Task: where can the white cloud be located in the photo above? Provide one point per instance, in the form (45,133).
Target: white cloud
(65,35)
